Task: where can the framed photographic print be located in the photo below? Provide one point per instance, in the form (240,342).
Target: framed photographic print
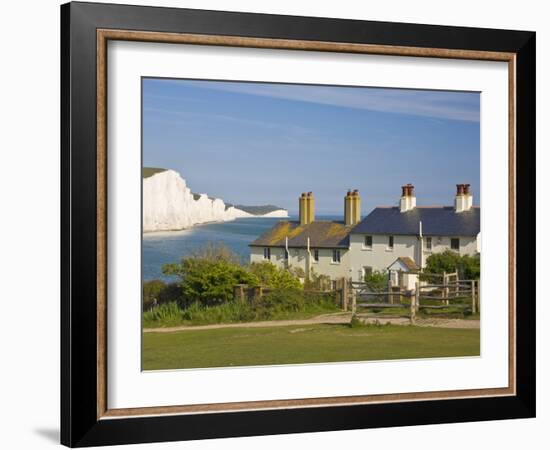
(276,224)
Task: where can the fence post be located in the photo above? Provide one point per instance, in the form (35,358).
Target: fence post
(353,297)
(390,290)
(344,292)
(473,287)
(478,292)
(445,288)
(238,293)
(414,301)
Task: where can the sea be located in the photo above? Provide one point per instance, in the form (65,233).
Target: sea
(170,247)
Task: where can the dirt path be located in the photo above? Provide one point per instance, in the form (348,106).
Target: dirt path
(338,318)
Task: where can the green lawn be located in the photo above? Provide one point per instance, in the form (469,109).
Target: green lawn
(302,344)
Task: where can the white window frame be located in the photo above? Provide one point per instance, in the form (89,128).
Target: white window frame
(267,251)
(431,243)
(334,253)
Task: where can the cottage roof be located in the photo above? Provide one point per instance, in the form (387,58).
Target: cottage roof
(321,233)
(407,262)
(436,221)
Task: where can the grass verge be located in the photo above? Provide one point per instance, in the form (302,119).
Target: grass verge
(229,347)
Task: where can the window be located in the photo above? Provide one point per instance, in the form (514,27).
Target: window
(368,242)
(336,256)
(286,254)
(390,242)
(267,253)
(428,243)
(316,255)
(367,271)
(455,244)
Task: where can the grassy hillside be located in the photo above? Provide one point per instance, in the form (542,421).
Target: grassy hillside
(147,172)
(258,210)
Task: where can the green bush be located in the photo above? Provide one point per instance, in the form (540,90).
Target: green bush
(157,292)
(272,277)
(377,281)
(317,281)
(281,303)
(208,282)
(284,300)
(468,267)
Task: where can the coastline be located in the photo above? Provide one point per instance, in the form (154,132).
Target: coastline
(230,219)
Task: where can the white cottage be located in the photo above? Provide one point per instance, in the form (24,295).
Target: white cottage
(387,237)
(318,246)
(415,232)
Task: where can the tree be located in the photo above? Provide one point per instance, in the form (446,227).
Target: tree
(208,281)
(447,261)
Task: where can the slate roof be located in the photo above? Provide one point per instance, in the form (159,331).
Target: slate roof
(436,221)
(321,233)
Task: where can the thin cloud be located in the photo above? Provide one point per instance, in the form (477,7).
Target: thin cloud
(462,106)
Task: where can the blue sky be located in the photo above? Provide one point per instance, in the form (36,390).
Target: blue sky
(260,143)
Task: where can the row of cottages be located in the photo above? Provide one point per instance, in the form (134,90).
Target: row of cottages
(397,239)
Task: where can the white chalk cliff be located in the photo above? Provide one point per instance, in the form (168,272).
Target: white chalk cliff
(168,204)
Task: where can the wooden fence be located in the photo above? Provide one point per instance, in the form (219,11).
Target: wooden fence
(460,294)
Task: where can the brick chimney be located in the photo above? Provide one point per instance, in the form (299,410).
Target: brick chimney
(463,198)
(408,199)
(352,208)
(306,208)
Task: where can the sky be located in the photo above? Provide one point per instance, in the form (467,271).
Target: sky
(266,143)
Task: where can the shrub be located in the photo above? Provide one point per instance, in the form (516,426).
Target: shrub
(291,299)
(471,266)
(151,293)
(208,282)
(269,275)
(377,281)
(157,292)
(468,267)
(317,281)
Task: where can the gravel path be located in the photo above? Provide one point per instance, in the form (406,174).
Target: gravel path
(338,318)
